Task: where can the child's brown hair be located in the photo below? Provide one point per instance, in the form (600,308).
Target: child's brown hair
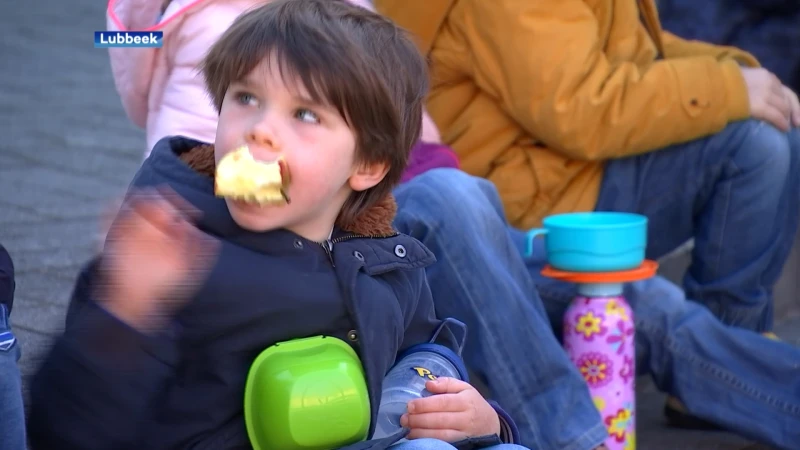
(346,56)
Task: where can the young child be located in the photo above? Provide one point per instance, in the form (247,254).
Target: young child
(190,288)
(12,414)
(160,88)
(163,93)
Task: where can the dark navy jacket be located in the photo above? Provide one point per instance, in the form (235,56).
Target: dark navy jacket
(106,386)
(769,29)
(7,285)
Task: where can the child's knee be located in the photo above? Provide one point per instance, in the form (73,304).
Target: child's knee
(443,185)
(451,200)
(765,149)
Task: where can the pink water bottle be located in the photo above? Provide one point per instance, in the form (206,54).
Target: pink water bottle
(599,339)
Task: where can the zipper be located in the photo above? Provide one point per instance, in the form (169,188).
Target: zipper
(328,247)
(328,244)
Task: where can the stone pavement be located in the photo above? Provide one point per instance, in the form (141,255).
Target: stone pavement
(67,149)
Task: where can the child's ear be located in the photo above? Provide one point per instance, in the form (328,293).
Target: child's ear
(367,175)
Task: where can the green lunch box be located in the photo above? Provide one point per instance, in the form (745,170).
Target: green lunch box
(306,394)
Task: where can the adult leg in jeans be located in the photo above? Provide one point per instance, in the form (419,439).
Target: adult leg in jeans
(480,278)
(12,415)
(737,193)
(727,375)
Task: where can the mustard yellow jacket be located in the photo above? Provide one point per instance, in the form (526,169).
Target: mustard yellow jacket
(535,95)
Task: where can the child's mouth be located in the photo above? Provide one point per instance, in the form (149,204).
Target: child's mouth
(252,204)
(252,183)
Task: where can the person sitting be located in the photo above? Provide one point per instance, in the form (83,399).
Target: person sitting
(191,287)
(568,107)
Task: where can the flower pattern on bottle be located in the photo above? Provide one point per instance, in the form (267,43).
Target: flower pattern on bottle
(626,371)
(596,369)
(617,424)
(617,308)
(620,336)
(590,325)
(630,443)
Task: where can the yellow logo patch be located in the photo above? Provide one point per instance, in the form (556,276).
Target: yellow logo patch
(424,373)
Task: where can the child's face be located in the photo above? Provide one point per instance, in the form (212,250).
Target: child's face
(276,117)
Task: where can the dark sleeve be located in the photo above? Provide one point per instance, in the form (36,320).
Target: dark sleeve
(6,279)
(421,322)
(98,382)
(509,433)
(419,329)
(82,290)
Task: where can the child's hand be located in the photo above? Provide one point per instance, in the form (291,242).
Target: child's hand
(153,259)
(458,411)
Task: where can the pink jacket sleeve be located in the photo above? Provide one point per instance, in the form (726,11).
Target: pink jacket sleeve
(166,80)
(179,101)
(132,67)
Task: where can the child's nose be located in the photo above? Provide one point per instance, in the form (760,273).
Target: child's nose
(264,140)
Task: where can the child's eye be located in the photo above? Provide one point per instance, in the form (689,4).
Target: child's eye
(306,115)
(243,98)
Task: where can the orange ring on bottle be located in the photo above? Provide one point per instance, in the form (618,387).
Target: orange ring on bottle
(647,270)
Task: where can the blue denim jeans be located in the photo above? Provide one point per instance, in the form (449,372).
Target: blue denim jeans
(737,193)
(435,444)
(12,415)
(481,279)
(728,375)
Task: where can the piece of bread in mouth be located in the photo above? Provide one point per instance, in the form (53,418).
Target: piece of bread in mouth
(240,177)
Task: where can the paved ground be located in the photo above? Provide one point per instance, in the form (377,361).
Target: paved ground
(67,149)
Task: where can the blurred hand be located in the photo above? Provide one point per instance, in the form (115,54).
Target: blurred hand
(768,99)
(456,412)
(154,259)
(106,219)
